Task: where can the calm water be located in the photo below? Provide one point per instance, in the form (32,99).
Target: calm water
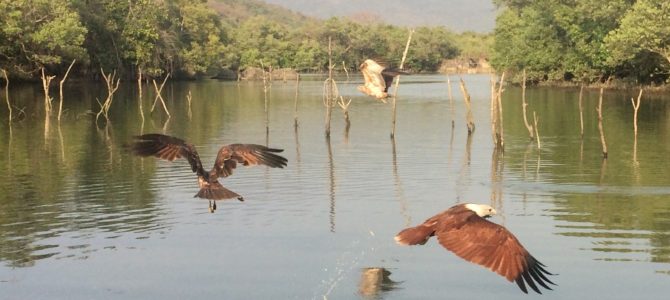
(82,219)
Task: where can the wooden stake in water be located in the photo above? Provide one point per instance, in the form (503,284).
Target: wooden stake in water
(581,111)
(159,96)
(466,99)
(599,109)
(60,104)
(636,106)
(524,104)
(397,82)
(9,106)
(328,93)
(46,82)
(295,103)
(451,101)
(537,133)
(139,88)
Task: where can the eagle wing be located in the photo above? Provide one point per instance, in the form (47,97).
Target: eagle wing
(388,75)
(493,246)
(168,148)
(248,155)
(372,74)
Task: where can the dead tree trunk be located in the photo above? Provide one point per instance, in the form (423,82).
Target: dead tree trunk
(599,109)
(295,102)
(9,105)
(265,99)
(451,102)
(329,89)
(537,133)
(524,104)
(581,111)
(139,88)
(344,66)
(111,89)
(46,82)
(60,104)
(466,99)
(159,96)
(397,82)
(636,106)
(189,98)
(345,110)
(501,137)
(493,112)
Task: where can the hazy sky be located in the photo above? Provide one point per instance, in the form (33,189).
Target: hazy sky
(458,15)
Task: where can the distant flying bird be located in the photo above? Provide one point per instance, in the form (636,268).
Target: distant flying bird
(463,230)
(377,79)
(170,148)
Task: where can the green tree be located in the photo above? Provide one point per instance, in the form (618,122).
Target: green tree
(39,33)
(644,28)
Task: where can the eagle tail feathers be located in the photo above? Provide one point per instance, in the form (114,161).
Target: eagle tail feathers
(418,235)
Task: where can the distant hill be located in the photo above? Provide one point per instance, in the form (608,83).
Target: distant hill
(457,15)
(235,11)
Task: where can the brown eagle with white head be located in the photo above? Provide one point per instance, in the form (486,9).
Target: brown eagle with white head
(463,230)
(170,148)
(377,79)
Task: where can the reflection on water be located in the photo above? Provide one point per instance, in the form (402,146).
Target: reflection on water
(374,282)
(72,200)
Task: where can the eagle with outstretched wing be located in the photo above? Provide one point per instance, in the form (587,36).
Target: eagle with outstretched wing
(229,156)
(377,79)
(464,230)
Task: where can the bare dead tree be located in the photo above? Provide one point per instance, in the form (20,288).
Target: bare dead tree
(60,104)
(139,88)
(537,133)
(46,82)
(524,104)
(344,66)
(466,99)
(494,111)
(345,110)
(501,134)
(581,111)
(599,109)
(265,98)
(636,106)
(329,89)
(397,82)
(111,89)
(9,105)
(189,98)
(159,90)
(451,101)
(295,102)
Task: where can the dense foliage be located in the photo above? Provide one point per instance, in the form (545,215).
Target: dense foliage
(585,40)
(189,38)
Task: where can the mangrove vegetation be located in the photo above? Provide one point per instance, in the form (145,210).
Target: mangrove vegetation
(584,41)
(193,38)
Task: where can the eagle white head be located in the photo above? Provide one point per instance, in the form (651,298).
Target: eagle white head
(481,210)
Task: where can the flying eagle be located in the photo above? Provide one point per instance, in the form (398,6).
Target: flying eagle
(170,148)
(463,230)
(377,79)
